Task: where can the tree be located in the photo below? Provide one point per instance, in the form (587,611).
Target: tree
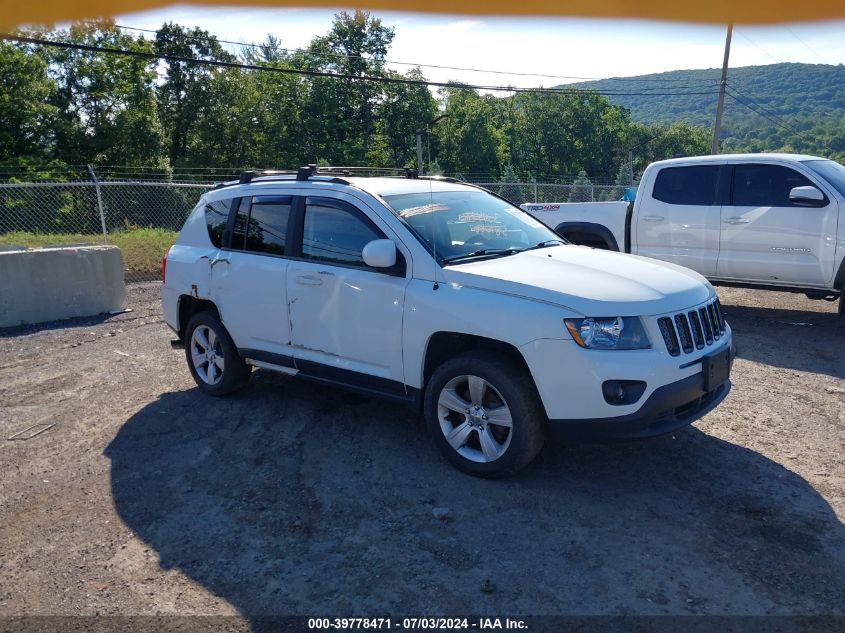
(507,189)
(659,142)
(582,189)
(184,91)
(340,111)
(467,140)
(565,133)
(403,110)
(26,114)
(105,103)
(231,129)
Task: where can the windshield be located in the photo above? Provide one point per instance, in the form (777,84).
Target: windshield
(833,172)
(470,224)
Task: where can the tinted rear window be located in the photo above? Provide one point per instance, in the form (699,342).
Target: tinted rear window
(261,224)
(687,185)
(216,216)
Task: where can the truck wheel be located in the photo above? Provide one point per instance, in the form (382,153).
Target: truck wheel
(484,414)
(212,357)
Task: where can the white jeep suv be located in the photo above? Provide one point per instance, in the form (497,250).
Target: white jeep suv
(442,295)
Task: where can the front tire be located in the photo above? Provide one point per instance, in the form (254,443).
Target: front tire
(484,414)
(212,357)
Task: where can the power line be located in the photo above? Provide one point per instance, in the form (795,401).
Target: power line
(759,48)
(778,121)
(759,110)
(310,53)
(807,46)
(316,73)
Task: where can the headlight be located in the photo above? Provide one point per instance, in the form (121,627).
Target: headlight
(608,333)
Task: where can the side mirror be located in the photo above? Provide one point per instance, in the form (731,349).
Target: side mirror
(380,254)
(807,196)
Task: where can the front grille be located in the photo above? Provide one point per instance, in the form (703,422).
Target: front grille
(694,330)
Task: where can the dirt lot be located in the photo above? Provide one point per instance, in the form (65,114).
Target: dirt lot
(148,497)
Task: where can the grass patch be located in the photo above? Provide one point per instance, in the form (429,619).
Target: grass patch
(142,248)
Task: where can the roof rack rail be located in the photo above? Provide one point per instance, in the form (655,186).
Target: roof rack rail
(247,177)
(309,171)
(443,179)
(405,172)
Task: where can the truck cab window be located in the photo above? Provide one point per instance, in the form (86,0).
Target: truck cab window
(695,185)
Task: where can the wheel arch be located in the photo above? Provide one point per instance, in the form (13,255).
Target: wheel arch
(576,232)
(189,306)
(444,345)
(839,280)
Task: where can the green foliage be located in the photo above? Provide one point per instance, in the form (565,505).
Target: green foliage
(799,107)
(105,104)
(507,189)
(582,189)
(25,114)
(71,107)
(186,86)
(142,248)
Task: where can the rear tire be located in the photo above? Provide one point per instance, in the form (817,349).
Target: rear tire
(484,414)
(212,357)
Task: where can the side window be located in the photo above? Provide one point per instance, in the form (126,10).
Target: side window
(695,185)
(216,217)
(334,233)
(239,228)
(261,224)
(765,185)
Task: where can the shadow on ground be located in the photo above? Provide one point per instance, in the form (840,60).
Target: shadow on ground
(807,341)
(293,499)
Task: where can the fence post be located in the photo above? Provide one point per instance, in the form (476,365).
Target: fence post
(534,180)
(99,203)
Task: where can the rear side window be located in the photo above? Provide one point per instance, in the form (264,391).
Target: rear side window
(695,185)
(216,216)
(335,233)
(765,185)
(261,224)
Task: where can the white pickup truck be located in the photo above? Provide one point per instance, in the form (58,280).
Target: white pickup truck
(772,221)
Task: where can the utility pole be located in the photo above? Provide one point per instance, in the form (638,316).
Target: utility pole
(720,106)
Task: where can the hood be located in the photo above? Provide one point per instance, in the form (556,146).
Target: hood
(589,281)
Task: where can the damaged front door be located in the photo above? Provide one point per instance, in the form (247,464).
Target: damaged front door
(346,318)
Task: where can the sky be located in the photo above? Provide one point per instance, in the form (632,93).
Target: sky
(569,48)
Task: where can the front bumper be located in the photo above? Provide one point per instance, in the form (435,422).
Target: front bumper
(669,408)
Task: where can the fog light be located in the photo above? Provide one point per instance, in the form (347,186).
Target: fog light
(619,392)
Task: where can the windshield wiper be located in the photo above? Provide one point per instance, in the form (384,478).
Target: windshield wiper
(545,244)
(486,252)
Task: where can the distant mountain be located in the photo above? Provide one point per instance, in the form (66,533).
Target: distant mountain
(787,107)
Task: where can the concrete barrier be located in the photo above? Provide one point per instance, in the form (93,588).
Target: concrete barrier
(59,283)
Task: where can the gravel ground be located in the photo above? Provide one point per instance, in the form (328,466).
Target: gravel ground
(148,497)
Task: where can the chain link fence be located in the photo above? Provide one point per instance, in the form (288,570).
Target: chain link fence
(143,217)
(522,192)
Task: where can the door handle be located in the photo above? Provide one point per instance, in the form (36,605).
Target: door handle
(736,220)
(653,218)
(308,280)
